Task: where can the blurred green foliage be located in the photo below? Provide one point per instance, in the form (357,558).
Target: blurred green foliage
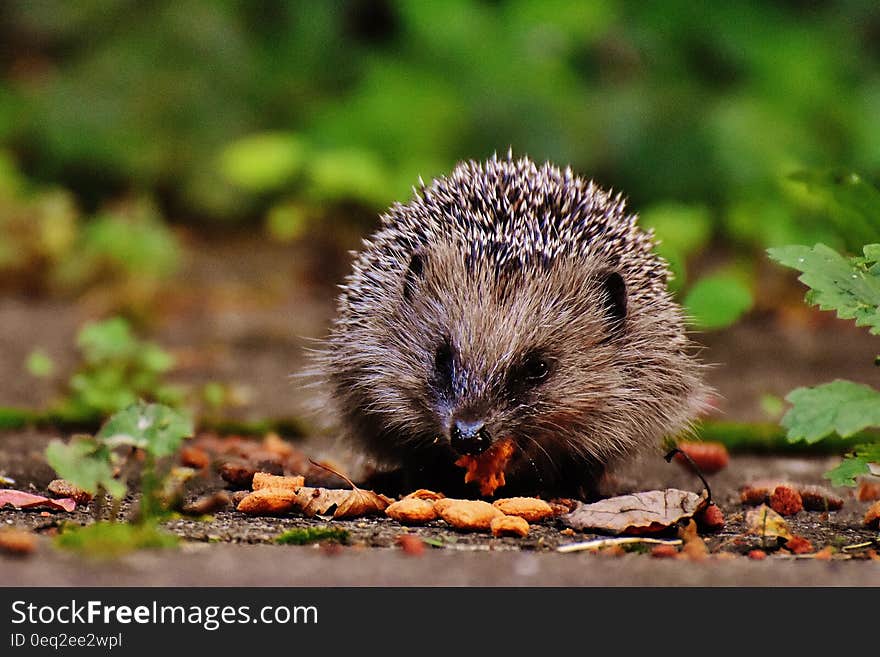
(237,110)
(117,370)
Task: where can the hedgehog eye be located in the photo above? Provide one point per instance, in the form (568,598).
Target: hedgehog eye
(534,369)
(443,362)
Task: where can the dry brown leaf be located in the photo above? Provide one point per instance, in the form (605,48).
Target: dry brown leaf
(361,503)
(23,500)
(764,521)
(320,501)
(352,503)
(487,469)
(639,513)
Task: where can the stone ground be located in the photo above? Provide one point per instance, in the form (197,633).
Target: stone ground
(243,312)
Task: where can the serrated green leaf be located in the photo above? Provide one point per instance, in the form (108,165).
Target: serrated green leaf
(849,286)
(84,463)
(156,428)
(846,472)
(840,407)
(717,301)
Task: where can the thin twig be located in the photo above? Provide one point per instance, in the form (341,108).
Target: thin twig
(608,542)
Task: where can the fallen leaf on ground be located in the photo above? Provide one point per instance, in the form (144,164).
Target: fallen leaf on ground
(63,488)
(764,521)
(22,500)
(361,503)
(639,513)
(319,501)
(349,503)
(487,469)
(17,541)
(411,511)
(509,526)
(531,509)
(708,457)
(266,480)
(468,514)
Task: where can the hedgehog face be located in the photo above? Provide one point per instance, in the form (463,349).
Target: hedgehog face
(529,353)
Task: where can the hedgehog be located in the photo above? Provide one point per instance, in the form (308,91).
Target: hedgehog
(511,301)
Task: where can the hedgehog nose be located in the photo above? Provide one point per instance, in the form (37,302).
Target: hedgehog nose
(469,437)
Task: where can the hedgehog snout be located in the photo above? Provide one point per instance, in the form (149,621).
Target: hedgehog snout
(469,437)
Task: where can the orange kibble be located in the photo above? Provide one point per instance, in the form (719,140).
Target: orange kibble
(509,526)
(411,545)
(708,457)
(786,501)
(411,511)
(664,551)
(711,517)
(799,545)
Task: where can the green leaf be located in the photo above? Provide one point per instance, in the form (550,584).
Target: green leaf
(846,472)
(839,407)
(717,301)
(155,428)
(850,286)
(39,364)
(107,340)
(86,463)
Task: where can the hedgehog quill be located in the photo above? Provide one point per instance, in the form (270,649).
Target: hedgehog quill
(511,302)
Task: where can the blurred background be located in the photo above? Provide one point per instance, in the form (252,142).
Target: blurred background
(201,169)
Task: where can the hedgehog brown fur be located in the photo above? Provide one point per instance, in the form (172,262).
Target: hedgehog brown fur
(510,300)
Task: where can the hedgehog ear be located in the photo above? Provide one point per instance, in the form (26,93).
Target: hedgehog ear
(414,272)
(614,303)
